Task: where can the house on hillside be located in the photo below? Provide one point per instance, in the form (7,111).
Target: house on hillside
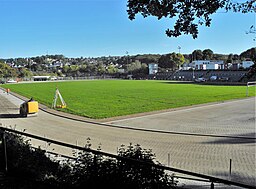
(55,65)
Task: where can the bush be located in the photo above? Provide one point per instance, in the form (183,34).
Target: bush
(26,166)
(30,168)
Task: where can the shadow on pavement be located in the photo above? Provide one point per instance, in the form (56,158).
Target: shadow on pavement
(9,115)
(236,177)
(247,139)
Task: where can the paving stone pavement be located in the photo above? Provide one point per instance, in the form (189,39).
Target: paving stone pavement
(234,118)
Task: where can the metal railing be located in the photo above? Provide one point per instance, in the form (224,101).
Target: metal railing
(211,179)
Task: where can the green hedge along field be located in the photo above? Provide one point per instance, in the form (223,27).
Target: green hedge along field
(108,98)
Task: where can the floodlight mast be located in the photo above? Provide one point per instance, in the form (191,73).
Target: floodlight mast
(179,47)
(252,30)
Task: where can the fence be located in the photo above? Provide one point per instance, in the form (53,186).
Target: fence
(128,160)
(93,77)
(250,84)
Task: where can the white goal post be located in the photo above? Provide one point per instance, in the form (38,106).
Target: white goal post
(250,84)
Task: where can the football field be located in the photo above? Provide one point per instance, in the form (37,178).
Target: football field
(109,98)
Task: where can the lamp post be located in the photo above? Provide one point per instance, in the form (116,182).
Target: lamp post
(127,54)
(193,73)
(252,30)
(179,49)
(193,68)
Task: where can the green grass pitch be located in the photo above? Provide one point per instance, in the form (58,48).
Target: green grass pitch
(108,98)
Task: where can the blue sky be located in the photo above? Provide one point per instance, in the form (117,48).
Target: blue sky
(92,28)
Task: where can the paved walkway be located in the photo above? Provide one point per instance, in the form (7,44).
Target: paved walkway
(202,154)
(232,118)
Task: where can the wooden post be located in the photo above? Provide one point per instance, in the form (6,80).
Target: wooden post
(230,168)
(168,163)
(212,185)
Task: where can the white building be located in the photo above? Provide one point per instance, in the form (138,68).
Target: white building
(238,64)
(208,64)
(153,68)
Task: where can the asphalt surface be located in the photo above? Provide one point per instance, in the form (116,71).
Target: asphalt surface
(206,151)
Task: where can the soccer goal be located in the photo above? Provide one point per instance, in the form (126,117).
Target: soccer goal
(250,84)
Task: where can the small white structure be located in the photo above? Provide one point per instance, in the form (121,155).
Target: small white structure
(41,78)
(11,81)
(152,68)
(121,70)
(186,66)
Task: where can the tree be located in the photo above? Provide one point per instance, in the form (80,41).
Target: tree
(24,72)
(134,67)
(74,70)
(236,57)
(36,67)
(66,69)
(165,62)
(249,54)
(147,58)
(6,71)
(230,58)
(144,68)
(207,54)
(20,61)
(112,69)
(220,57)
(171,61)
(189,14)
(179,59)
(82,68)
(91,68)
(197,55)
(39,60)
(101,68)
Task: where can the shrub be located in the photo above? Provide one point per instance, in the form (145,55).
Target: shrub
(26,165)
(30,168)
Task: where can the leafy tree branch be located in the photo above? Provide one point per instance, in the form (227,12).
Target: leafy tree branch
(189,14)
